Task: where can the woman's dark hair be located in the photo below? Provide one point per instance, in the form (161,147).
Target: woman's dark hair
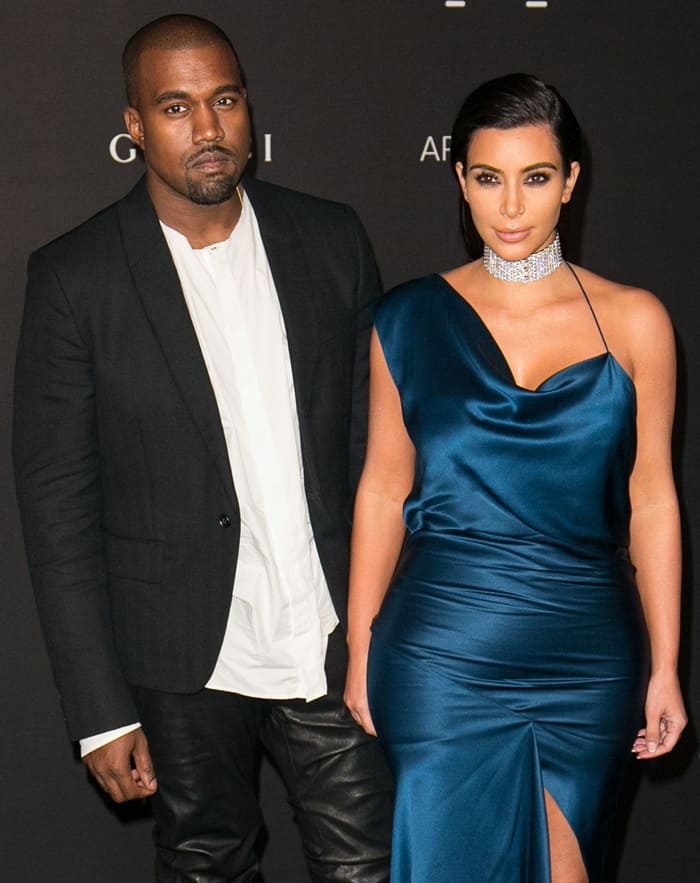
(506,103)
(512,101)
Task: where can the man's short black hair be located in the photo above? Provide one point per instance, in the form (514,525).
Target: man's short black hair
(168,32)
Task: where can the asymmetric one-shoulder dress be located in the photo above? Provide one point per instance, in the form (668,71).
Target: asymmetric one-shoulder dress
(510,654)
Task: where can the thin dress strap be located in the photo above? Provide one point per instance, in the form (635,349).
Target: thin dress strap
(590,307)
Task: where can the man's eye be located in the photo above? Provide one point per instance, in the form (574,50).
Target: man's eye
(175,109)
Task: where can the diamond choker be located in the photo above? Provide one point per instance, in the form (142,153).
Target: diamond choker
(530,269)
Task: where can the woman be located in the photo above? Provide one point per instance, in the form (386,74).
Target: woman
(520,424)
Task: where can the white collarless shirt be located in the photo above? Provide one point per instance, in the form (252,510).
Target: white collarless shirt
(281,611)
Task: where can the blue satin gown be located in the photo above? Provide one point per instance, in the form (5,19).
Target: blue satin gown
(510,654)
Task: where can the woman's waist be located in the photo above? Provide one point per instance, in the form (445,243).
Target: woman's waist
(479,559)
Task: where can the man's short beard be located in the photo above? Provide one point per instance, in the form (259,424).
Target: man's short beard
(210,192)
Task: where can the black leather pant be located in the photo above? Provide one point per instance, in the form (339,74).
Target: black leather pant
(206,750)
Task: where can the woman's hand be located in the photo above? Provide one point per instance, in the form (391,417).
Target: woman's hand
(665,718)
(356,693)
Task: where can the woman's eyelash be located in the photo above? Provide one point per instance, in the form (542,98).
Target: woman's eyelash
(538,177)
(486,178)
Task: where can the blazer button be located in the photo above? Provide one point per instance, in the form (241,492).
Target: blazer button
(224,520)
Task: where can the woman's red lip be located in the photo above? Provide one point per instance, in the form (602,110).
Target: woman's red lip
(512,235)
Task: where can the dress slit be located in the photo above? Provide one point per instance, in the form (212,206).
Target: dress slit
(568,823)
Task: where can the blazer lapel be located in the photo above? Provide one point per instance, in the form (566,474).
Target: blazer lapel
(159,288)
(287,256)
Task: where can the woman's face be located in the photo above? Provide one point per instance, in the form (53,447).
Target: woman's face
(514,183)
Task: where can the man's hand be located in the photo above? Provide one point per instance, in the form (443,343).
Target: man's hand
(123,768)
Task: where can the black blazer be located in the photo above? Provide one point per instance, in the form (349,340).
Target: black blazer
(127,500)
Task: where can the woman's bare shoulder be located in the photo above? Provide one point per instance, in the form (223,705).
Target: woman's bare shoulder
(635,323)
(626,306)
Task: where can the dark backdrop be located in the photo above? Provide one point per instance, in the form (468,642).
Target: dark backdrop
(351,100)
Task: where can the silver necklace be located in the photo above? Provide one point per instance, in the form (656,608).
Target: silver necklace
(529,269)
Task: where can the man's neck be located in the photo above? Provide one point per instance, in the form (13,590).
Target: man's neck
(202,225)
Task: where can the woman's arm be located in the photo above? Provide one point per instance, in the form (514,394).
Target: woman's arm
(655,522)
(378,527)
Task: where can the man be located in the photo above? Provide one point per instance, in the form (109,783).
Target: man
(189,418)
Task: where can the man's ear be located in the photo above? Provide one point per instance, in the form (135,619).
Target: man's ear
(134,126)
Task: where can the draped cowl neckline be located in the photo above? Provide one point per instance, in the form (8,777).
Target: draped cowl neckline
(548,468)
(590,362)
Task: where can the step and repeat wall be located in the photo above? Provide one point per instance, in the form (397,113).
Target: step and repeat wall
(353,101)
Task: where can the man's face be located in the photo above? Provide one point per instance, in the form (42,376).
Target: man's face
(191,123)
